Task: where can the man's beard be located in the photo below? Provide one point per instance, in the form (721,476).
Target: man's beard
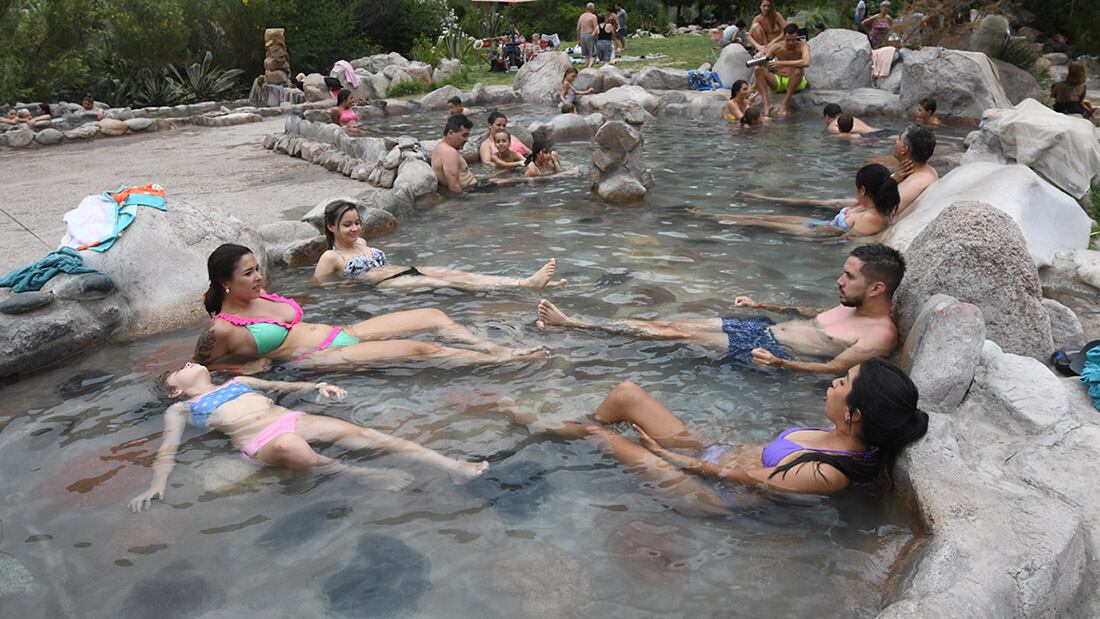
(852,301)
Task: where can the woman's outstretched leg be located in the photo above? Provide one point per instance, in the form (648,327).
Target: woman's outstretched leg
(291,450)
(460,280)
(404,353)
(425,320)
(352,437)
(629,402)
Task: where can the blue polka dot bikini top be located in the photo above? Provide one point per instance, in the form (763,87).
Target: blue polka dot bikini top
(202,407)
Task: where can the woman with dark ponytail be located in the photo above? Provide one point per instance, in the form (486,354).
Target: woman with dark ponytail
(877,199)
(873,415)
(248,323)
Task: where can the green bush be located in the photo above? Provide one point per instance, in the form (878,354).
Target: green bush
(406,88)
(425,51)
(201,81)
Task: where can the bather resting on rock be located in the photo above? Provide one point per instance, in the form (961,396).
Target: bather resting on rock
(350,259)
(247,322)
(272,435)
(872,416)
(876,200)
(858,329)
(912,149)
(784,73)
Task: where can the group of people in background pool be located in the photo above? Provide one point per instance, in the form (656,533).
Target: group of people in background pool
(870,408)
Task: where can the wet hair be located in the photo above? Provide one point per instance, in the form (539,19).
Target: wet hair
(845,122)
(542,143)
(881,263)
(887,401)
(161,388)
(572,70)
(832,110)
(791,28)
(494,115)
(750,118)
(455,101)
(219,267)
(929,104)
(876,181)
(736,88)
(44,108)
(456,123)
(921,143)
(342,96)
(333,214)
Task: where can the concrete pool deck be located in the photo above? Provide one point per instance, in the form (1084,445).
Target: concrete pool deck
(225,168)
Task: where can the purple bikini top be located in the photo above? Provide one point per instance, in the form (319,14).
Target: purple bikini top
(775,451)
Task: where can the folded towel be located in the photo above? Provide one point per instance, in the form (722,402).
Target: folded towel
(349,72)
(881,61)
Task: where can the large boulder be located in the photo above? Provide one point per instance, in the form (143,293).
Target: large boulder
(378,62)
(111,127)
(18,138)
(421,72)
(416,177)
(637,94)
(1050,220)
(437,99)
(731,64)
(976,253)
(839,59)
(1018,83)
(565,128)
(692,103)
(1062,148)
(162,295)
(964,84)
(618,171)
(590,79)
(314,87)
(661,78)
(1073,279)
(858,101)
(445,69)
(47,137)
(942,351)
(612,77)
(497,94)
(539,81)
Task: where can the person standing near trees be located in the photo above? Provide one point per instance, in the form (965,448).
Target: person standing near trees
(587,25)
(620,14)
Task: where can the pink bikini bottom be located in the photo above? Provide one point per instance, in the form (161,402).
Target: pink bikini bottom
(282,425)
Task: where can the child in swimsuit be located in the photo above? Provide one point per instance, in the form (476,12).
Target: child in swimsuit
(350,259)
(869,429)
(543,160)
(503,157)
(269,434)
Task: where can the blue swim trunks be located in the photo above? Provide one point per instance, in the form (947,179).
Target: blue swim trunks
(745,334)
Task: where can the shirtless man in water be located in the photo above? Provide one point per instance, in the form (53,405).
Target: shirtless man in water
(858,329)
(449,166)
(785,72)
(913,149)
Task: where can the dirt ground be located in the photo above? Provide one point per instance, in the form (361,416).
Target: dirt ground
(221,167)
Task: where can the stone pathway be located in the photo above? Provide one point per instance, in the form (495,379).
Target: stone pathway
(227,168)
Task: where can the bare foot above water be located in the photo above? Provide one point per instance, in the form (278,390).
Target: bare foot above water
(544,277)
(464,472)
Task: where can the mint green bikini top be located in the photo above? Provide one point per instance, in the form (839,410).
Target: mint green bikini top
(268,334)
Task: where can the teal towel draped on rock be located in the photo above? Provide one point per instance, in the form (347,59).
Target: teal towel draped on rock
(1090,375)
(35,275)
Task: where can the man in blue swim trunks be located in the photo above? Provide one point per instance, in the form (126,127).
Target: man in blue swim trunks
(858,329)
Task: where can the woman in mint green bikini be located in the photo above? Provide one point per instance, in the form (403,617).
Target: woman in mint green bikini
(873,416)
(248,323)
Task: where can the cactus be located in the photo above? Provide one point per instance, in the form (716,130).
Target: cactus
(991,35)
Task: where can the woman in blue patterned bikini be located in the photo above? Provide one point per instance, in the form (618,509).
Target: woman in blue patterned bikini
(269,434)
(350,259)
(247,322)
(873,415)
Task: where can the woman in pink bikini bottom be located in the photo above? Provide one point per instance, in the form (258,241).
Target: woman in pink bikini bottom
(274,436)
(873,415)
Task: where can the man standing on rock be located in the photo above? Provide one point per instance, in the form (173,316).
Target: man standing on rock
(587,27)
(783,73)
(858,329)
(913,149)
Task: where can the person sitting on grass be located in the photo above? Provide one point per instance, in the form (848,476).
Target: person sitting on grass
(871,413)
(925,113)
(784,73)
(503,157)
(876,200)
(271,435)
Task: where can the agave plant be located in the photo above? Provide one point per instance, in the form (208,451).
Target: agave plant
(155,89)
(202,82)
(456,44)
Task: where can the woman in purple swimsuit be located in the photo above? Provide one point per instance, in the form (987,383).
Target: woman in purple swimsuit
(873,412)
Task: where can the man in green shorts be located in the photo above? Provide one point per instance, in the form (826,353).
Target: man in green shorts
(789,56)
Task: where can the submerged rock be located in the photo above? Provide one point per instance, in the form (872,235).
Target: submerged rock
(23,302)
(384,578)
(178,590)
(515,489)
(304,525)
